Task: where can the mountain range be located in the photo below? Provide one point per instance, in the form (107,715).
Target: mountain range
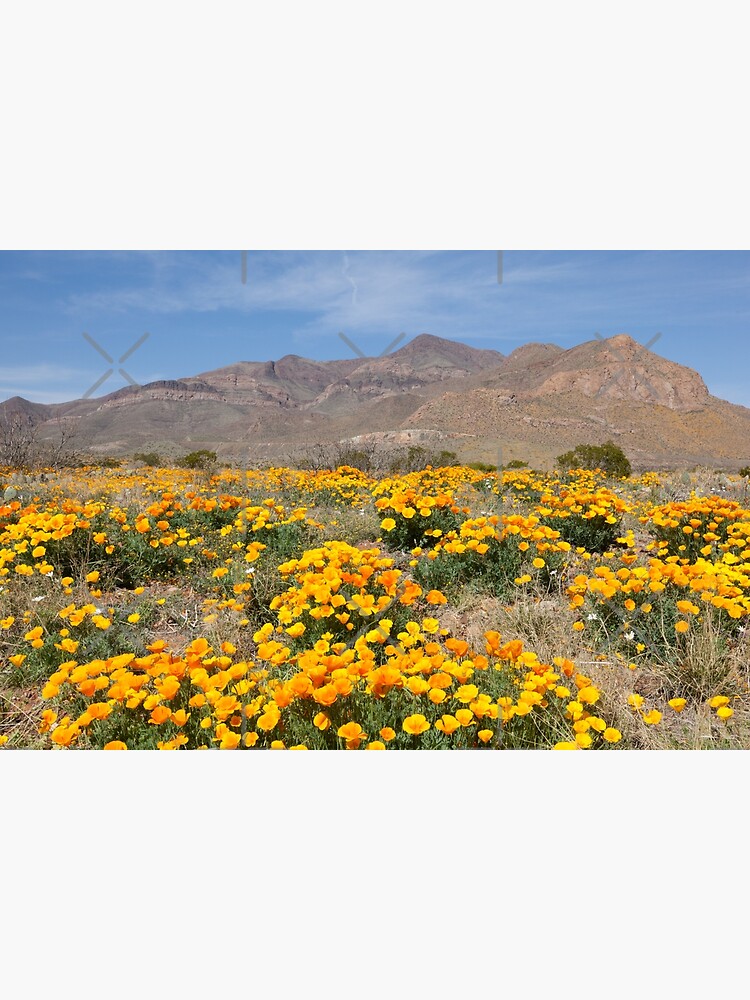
(532,404)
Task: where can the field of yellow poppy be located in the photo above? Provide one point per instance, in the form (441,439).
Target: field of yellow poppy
(444,609)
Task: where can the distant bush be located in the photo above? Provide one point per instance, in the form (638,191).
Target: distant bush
(482,467)
(745,472)
(202,459)
(608,457)
(150,458)
(410,459)
(356,458)
(516,463)
(415,458)
(444,459)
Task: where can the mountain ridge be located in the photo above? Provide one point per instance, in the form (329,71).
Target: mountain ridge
(534,403)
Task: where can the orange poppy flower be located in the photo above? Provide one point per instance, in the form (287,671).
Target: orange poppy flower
(325,695)
(351,731)
(415,725)
(448,724)
(435,597)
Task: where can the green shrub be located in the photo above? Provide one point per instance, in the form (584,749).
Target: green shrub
(444,458)
(150,458)
(594,534)
(415,458)
(492,573)
(410,532)
(608,457)
(202,459)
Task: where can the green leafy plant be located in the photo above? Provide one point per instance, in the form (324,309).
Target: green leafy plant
(202,459)
(608,457)
(150,458)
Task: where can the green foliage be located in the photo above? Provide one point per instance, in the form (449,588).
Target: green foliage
(594,534)
(358,458)
(93,642)
(150,458)
(445,458)
(415,458)
(493,572)
(516,463)
(482,467)
(608,457)
(286,541)
(411,532)
(102,462)
(202,459)
(745,472)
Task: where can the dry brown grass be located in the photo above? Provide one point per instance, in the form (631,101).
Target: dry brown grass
(710,665)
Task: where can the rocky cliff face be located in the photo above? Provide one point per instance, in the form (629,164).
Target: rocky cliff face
(613,369)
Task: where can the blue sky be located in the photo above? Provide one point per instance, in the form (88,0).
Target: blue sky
(199,315)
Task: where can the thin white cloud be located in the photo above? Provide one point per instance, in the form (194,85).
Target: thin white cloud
(35,375)
(45,383)
(389,284)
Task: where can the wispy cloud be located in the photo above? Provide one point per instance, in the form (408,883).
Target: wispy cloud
(367,294)
(366,287)
(42,383)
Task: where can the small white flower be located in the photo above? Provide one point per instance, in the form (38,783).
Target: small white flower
(40,598)
(592,618)
(630,636)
